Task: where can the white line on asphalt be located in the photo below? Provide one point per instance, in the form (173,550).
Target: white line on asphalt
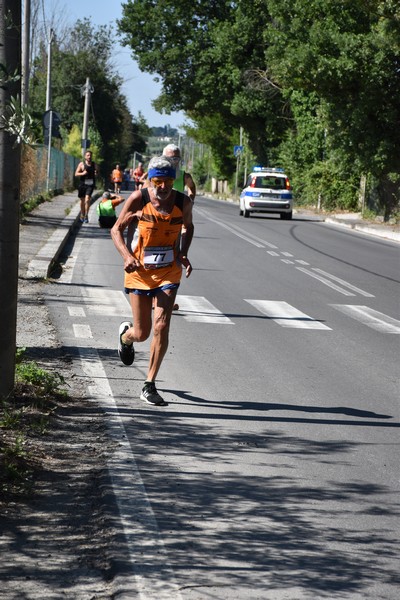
(370,317)
(286,315)
(102,301)
(199,309)
(302,262)
(76,311)
(272,253)
(325,281)
(68,271)
(248,237)
(287,261)
(345,284)
(82,331)
(287,254)
(136,515)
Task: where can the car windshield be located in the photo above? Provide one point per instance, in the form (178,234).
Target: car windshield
(270,182)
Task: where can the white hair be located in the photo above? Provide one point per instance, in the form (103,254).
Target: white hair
(171,148)
(160,162)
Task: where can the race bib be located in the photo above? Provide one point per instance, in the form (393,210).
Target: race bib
(89,181)
(158,256)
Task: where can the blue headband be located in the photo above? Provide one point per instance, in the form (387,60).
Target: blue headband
(162,172)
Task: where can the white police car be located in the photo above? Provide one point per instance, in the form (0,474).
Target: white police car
(267,191)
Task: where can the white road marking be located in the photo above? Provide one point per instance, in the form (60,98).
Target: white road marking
(69,266)
(302,262)
(273,253)
(113,303)
(287,254)
(76,311)
(82,331)
(287,261)
(325,281)
(135,514)
(286,315)
(345,284)
(238,231)
(370,317)
(198,309)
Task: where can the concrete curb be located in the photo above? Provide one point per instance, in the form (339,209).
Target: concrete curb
(382,232)
(41,266)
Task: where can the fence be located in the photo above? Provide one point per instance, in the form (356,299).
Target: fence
(34,171)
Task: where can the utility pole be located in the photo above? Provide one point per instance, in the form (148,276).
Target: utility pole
(10,165)
(25,53)
(48,107)
(238,158)
(48,82)
(87,90)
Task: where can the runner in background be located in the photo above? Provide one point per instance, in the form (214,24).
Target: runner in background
(87,172)
(137,175)
(116,178)
(183,181)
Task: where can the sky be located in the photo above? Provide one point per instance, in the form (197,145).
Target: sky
(138,87)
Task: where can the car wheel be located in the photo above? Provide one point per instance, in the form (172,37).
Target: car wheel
(287,216)
(246,213)
(240,212)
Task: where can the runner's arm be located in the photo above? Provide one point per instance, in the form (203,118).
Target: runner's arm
(187,236)
(191,186)
(130,211)
(80,170)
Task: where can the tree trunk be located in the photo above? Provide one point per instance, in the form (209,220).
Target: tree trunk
(10,163)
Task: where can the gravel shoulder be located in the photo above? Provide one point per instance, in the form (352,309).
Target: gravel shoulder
(54,538)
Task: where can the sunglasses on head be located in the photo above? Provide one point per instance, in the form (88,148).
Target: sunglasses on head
(158,181)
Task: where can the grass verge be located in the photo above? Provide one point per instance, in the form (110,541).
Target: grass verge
(24,417)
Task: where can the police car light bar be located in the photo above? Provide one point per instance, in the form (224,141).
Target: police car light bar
(268,169)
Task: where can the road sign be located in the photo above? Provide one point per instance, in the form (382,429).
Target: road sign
(50,116)
(238,150)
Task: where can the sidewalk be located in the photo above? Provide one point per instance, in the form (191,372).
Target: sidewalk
(354,221)
(45,231)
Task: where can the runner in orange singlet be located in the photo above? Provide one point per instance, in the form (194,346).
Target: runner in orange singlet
(153,262)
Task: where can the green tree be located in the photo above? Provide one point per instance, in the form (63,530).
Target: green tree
(310,81)
(347,54)
(205,55)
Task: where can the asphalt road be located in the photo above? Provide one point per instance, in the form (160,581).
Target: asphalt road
(273,473)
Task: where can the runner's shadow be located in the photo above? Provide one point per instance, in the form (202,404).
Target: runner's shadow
(269,406)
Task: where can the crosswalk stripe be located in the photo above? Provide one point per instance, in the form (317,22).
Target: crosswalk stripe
(286,315)
(199,309)
(370,317)
(82,331)
(113,303)
(76,311)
